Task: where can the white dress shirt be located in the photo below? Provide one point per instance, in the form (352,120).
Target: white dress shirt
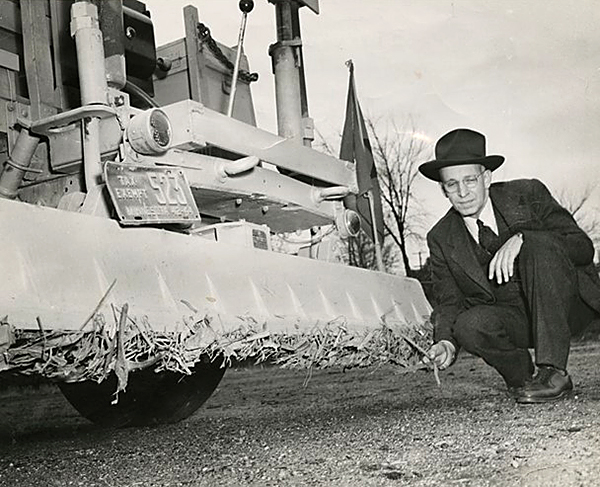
(486,216)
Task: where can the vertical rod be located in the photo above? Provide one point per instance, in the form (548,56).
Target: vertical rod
(377,244)
(285,68)
(85,28)
(236,68)
(296,32)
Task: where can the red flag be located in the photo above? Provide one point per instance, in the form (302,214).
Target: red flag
(356,148)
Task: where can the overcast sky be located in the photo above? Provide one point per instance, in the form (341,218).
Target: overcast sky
(525,73)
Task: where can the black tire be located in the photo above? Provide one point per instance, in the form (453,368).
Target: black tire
(150,398)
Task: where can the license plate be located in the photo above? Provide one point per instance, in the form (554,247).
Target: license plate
(150,194)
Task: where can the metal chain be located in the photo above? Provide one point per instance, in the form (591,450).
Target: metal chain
(204,34)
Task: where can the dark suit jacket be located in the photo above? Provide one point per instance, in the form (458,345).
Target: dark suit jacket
(526,206)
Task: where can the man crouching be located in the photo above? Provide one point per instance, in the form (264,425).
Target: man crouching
(511,271)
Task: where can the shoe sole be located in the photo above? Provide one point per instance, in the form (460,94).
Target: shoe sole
(540,400)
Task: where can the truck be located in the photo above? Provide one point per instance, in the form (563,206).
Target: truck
(151,234)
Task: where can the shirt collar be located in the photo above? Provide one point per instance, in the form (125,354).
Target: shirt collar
(486,216)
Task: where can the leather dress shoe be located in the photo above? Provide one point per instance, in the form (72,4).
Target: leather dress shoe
(548,384)
(516,384)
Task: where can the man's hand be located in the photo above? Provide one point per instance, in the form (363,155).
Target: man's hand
(441,353)
(502,265)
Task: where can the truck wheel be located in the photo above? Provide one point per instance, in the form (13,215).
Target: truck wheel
(150,398)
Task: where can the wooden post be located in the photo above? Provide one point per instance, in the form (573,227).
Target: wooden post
(195,60)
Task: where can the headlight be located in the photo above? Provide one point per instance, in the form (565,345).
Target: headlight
(348,223)
(150,132)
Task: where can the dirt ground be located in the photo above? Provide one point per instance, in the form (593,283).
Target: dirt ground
(356,428)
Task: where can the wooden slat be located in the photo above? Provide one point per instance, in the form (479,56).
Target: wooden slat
(10,16)
(54,25)
(198,89)
(38,57)
(9,60)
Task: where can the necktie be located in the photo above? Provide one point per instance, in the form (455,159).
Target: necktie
(488,240)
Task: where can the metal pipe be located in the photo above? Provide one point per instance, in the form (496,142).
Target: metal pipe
(18,164)
(85,28)
(236,67)
(232,168)
(296,32)
(285,68)
(134,14)
(135,90)
(331,193)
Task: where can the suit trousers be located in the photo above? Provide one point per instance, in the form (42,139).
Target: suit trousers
(542,316)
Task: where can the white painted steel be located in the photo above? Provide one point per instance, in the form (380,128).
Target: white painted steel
(196,126)
(56,267)
(85,29)
(292,204)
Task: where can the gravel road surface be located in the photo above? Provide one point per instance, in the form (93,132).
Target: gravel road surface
(367,427)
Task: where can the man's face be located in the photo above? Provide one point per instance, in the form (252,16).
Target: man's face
(467,187)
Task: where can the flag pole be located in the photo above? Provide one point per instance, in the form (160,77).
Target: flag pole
(365,156)
(378,253)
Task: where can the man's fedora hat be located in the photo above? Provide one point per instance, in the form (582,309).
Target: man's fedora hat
(459,147)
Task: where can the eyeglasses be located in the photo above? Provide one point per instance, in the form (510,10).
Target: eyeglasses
(453,185)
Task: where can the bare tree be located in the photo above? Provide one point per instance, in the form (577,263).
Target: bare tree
(323,145)
(398,151)
(360,252)
(579,205)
